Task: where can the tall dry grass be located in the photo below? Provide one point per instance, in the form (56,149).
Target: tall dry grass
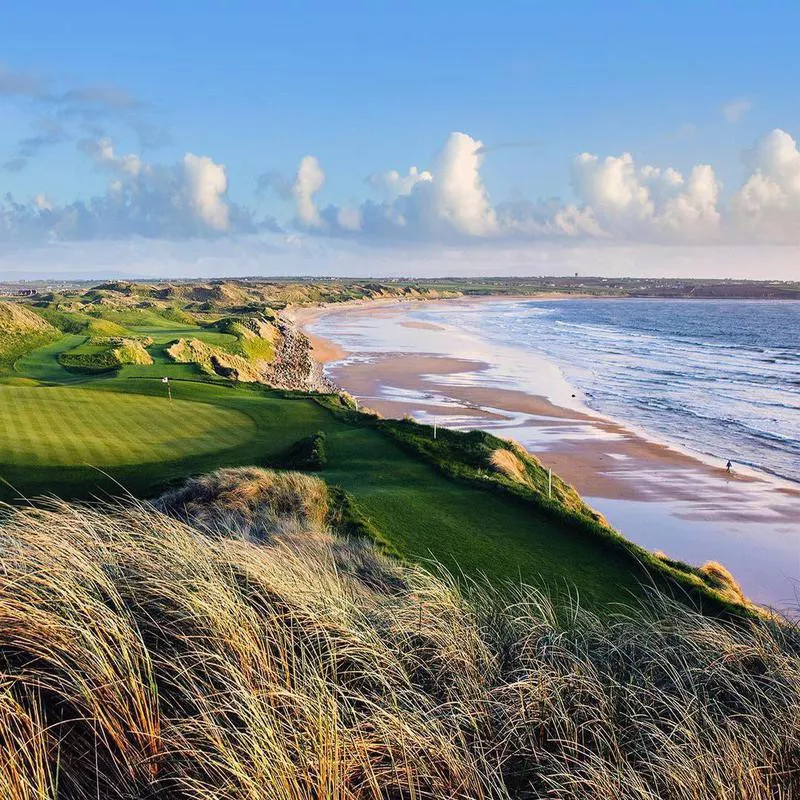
(142,657)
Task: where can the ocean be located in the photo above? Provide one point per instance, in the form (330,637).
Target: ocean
(719,377)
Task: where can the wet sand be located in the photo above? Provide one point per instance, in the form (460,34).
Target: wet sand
(600,457)
(630,477)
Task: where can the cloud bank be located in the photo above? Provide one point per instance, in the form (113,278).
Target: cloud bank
(174,201)
(616,199)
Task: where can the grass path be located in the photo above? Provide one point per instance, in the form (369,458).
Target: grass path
(42,364)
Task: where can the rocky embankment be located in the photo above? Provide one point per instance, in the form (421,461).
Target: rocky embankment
(294,367)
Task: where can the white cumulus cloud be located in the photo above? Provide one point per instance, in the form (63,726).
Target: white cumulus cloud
(206,184)
(310,179)
(615,199)
(173,201)
(767,206)
(394,185)
(449,200)
(647,203)
(459,197)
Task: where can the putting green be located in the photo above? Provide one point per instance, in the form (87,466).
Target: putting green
(57,426)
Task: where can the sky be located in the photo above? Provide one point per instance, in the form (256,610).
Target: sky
(363,138)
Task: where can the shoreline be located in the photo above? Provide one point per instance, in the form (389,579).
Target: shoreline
(419,374)
(658,495)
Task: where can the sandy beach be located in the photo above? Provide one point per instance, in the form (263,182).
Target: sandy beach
(619,469)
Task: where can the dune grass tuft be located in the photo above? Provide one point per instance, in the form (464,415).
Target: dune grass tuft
(249,498)
(146,657)
(507,463)
(720,577)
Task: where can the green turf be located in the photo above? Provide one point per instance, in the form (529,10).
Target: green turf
(164,335)
(42,426)
(16,345)
(42,363)
(421,512)
(136,317)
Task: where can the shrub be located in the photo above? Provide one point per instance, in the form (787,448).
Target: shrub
(307,453)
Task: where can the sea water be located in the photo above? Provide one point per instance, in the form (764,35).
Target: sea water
(720,377)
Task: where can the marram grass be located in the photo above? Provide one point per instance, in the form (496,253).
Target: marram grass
(258,656)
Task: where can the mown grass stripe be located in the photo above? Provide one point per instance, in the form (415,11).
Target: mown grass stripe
(68,426)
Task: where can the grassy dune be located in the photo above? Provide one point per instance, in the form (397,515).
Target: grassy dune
(104,354)
(258,656)
(69,427)
(21,330)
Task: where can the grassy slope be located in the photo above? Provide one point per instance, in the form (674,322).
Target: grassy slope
(20,332)
(421,509)
(421,512)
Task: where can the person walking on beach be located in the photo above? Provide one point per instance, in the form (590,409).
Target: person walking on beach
(729,466)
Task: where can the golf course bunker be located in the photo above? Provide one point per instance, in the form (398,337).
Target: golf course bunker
(55,426)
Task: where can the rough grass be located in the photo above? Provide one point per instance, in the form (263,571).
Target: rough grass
(213,360)
(21,331)
(68,427)
(721,577)
(143,658)
(508,464)
(101,354)
(249,498)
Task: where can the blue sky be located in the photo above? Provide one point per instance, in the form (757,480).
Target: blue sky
(369,87)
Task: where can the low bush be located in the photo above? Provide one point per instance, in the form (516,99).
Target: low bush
(307,453)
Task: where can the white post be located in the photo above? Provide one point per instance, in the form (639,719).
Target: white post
(434,427)
(550,483)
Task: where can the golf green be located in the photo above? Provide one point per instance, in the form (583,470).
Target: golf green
(57,426)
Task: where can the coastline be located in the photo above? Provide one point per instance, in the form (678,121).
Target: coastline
(575,460)
(611,464)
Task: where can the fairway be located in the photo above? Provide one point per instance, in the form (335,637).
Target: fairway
(65,427)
